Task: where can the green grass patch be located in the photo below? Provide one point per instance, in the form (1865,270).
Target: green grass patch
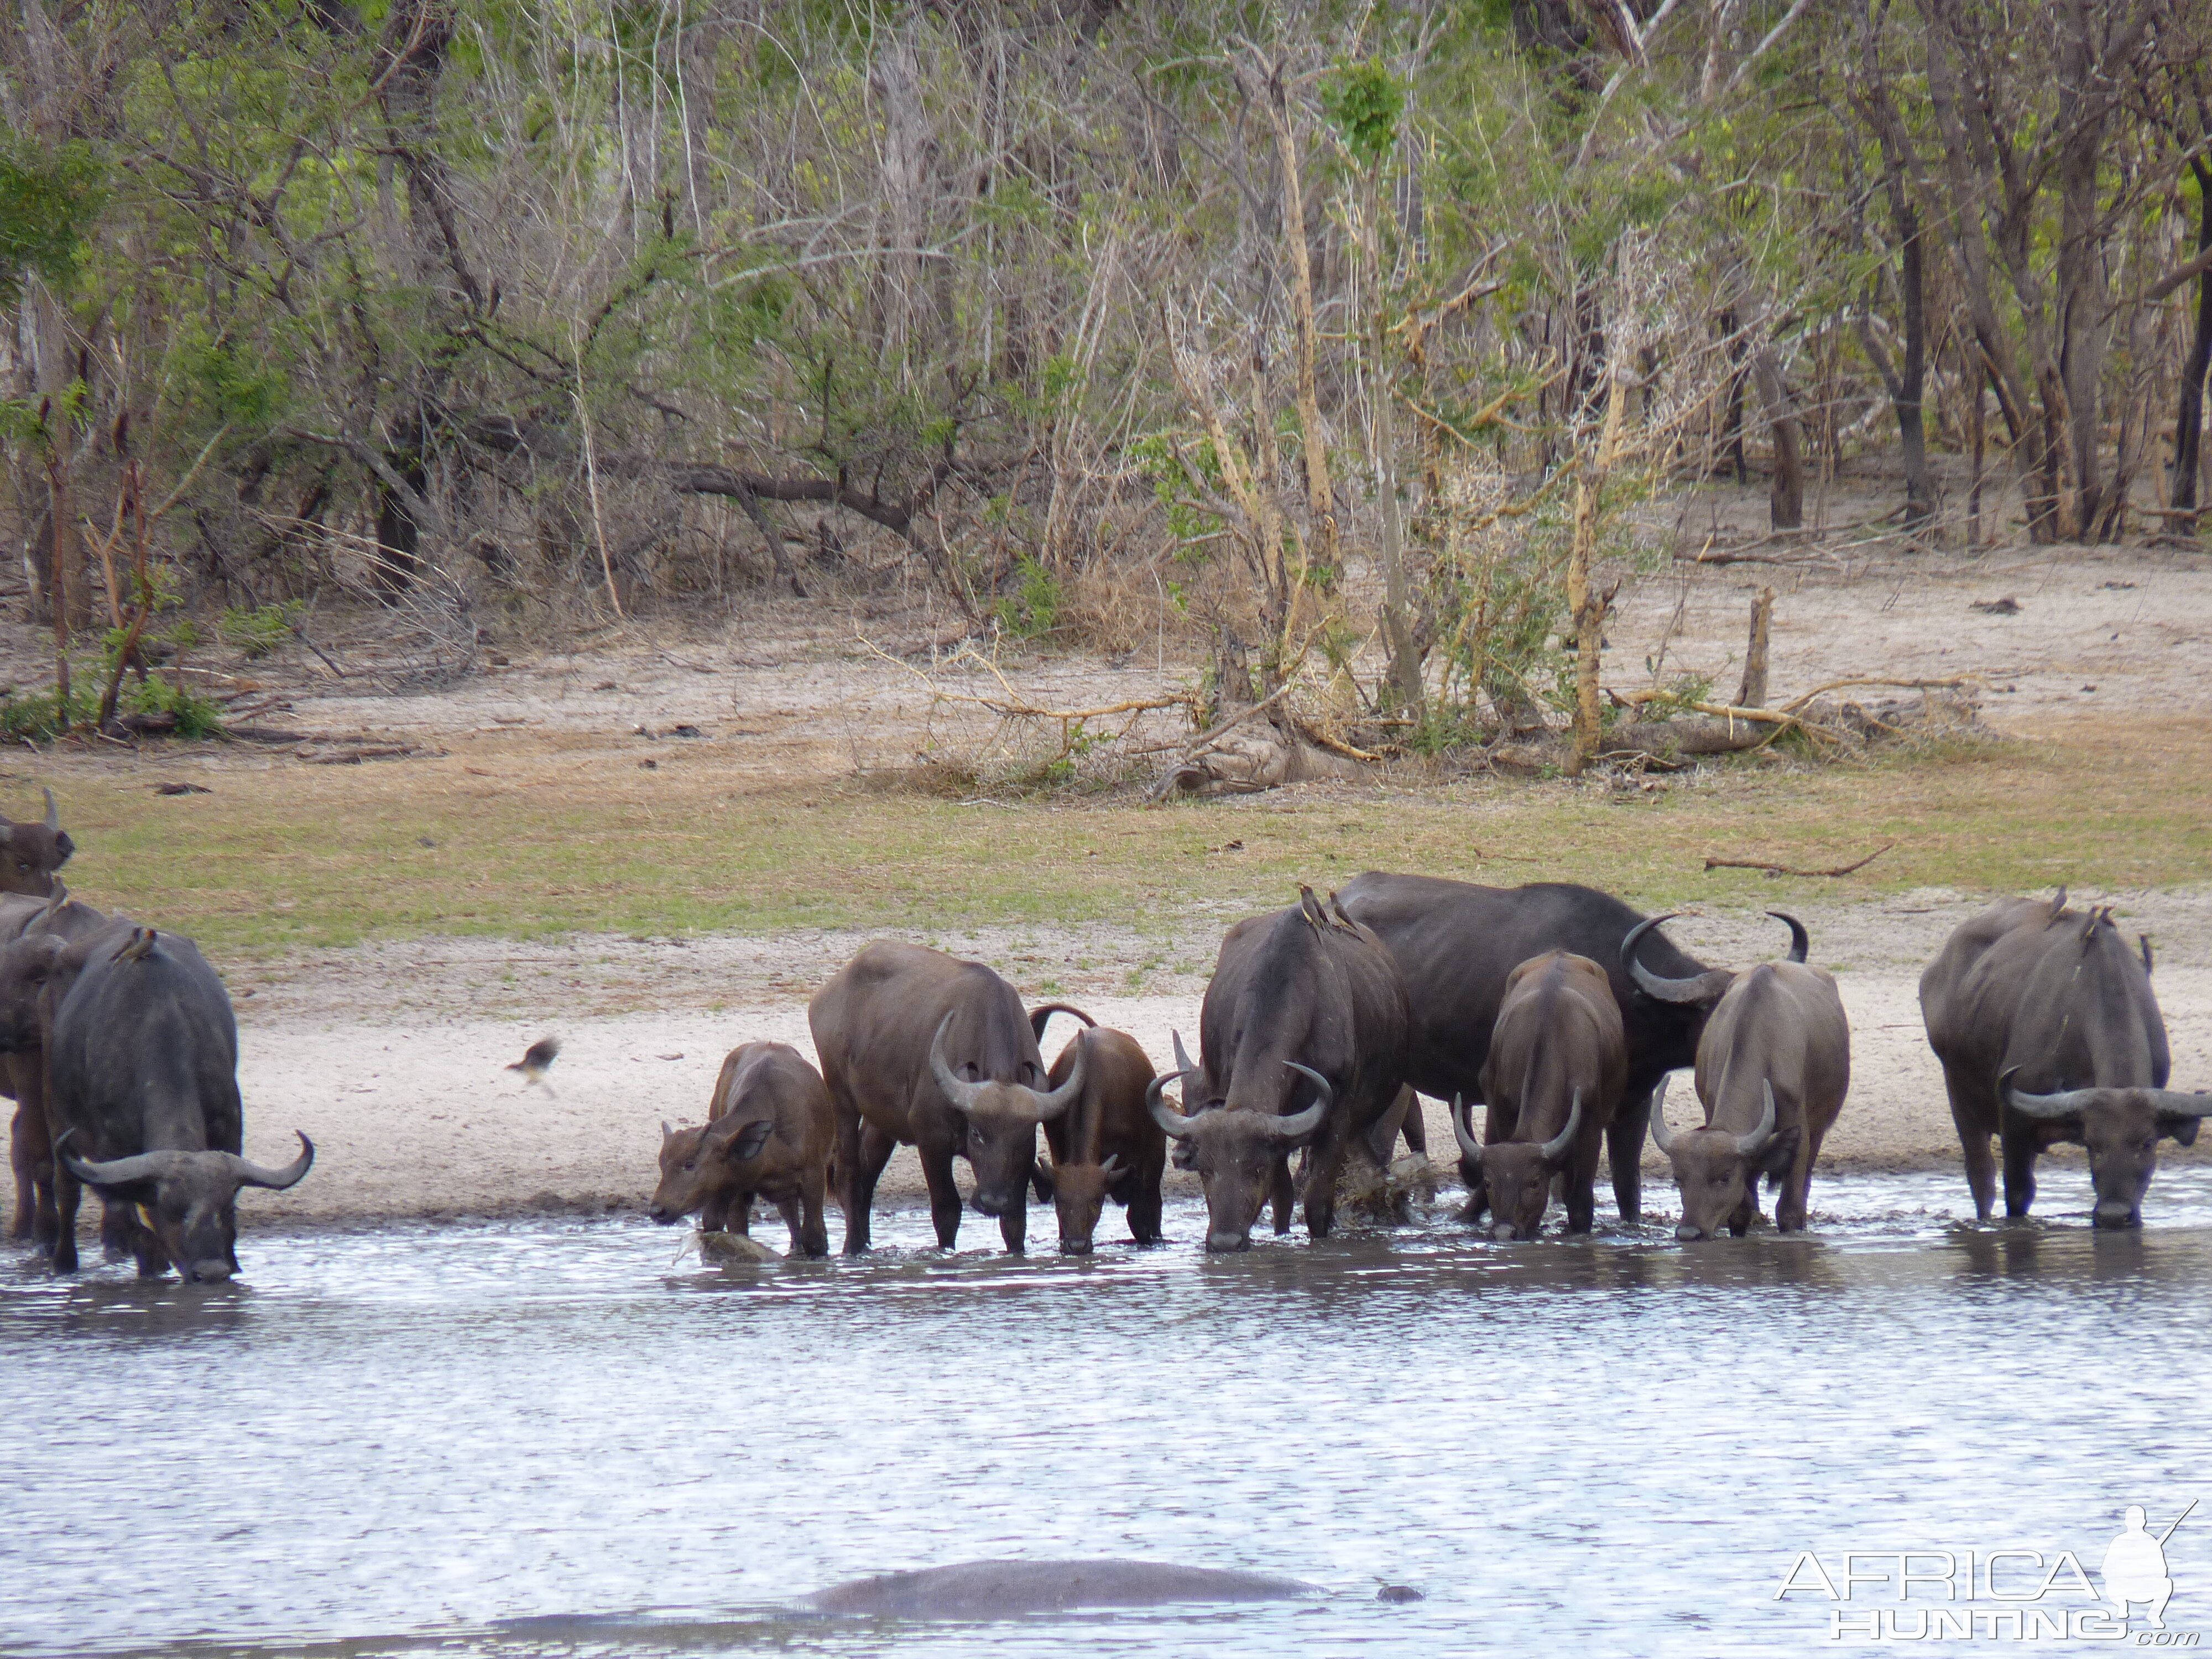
(284,857)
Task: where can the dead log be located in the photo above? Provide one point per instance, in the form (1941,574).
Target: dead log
(1751,694)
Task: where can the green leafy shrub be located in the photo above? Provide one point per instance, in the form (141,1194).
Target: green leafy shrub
(259,630)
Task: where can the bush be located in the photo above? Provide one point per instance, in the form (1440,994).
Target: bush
(35,714)
(258,630)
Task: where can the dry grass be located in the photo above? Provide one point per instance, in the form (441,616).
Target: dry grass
(513,839)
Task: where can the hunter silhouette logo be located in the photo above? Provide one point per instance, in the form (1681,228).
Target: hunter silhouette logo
(2135,1566)
(1999,1594)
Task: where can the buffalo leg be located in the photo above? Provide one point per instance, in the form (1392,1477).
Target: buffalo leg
(1790,1207)
(789,1209)
(944,1194)
(811,1235)
(738,1217)
(1321,1171)
(1014,1222)
(1624,1147)
(118,1229)
(68,1193)
(863,1150)
(2017,1141)
(1580,1195)
(1973,1125)
(1145,1207)
(1284,1195)
(143,1241)
(1415,1128)
(22,1158)
(714,1215)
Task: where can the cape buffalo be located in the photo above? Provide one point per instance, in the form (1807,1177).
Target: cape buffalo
(2047,1030)
(31,852)
(27,978)
(769,1131)
(1106,1145)
(143,1060)
(1302,1038)
(1551,1081)
(1773,1066)
(918,1046)
(1456,944)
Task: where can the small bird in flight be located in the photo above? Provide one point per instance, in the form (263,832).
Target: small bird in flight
(537,1060)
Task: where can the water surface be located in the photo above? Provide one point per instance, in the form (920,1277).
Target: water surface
(555,1437)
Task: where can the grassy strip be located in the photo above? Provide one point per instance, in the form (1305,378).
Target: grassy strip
(285,856)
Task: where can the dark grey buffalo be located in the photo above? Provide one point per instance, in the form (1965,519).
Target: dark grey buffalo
(143,1060)
(917,1047)
(1302,1042)
(1456,943)
(769,1130)
(1773,1066)
(1552,1082)
(2047,1030)
(1000,1590)
(1106,1145)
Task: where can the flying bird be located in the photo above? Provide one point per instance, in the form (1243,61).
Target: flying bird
(537,1060)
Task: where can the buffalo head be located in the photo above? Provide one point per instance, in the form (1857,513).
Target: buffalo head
(1001,1121)
(31,852)
(1236,1153)
(1517,1174)
(25,964)
(699,1166)
(189,1199)
(1715,1169)
(2121,1129)
(1078,1194)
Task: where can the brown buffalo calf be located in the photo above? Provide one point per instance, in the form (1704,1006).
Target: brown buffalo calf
(1106,1145)
(768,1133)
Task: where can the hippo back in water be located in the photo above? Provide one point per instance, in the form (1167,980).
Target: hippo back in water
(994,1589)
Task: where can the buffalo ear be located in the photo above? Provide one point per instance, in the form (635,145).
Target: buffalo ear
(2180,1125)
(63,846)
(746,1145)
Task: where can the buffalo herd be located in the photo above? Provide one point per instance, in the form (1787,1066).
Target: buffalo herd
(1558,1010)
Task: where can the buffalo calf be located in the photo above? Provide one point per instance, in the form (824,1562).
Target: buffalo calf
(768,1133)
(1105,1145)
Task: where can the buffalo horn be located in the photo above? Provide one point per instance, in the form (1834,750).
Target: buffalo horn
(1751,1145)
(2068,1103)
(1051,1105)
(117,1172)
(958,1090)
(1171,1121)
(1041,1016)
(1182,1059)
(1662,1136)
(1799,942)
(250,1174)
(1112,1162)
(53,814)
(1298,1125)
(2143,940)
(1556,1148)
(2180,1104)
(1464,1133)
(1705,987)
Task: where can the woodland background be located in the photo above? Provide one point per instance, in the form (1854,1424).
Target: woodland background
(1361,340)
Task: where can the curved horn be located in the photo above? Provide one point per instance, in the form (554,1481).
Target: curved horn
(1183,1066)
(1751,1145)
(1041,1016)
(1051,1105)
(53,816)
(1171,1121)
(1703,988)
(2180,1103)
(1112,1162)
(2052,1108)
(1662,1137)
(1799,943)
(1298,1125)
(1469,1148)
(254,1174)
(958,1090)
(118,1171)
(1556,1148)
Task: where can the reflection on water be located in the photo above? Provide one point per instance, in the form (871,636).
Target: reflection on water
(543,1438)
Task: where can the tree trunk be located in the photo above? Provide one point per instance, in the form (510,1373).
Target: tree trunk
(2188,418)
(1785,495)
(1405,658)
(1752,693)
(1584,603)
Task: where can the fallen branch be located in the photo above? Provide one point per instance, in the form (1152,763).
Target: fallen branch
(1013,705)
(1786,869)
(1955,682)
